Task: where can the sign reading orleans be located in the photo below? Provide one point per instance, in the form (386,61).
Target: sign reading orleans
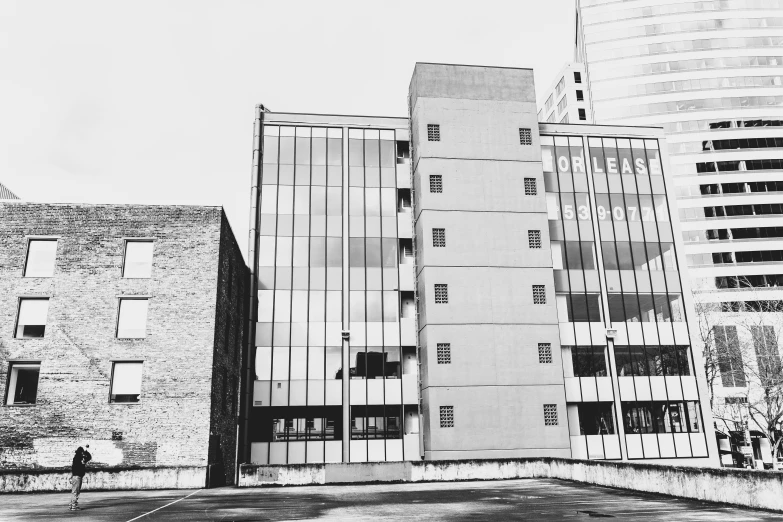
(616,166)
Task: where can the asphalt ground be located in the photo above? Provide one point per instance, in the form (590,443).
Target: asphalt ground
(528,499)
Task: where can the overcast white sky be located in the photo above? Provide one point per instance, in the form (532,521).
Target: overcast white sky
(153,102)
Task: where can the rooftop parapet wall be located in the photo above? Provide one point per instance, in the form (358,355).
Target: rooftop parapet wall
(470,82)
(756,489)
(106,479)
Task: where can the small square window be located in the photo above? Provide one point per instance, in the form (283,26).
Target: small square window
(545,353)
(31,320)
(534,238)
(441,294)
(530,187)
(447,416)
(137,263)
(126,382)
(444,353)
(550,415)
(539,294)
(439,237)
(433,132)
(41,257)
(525,137)
(580,95)
(582,115)
(577,77)
(22,383)
(132,318)
(436,183)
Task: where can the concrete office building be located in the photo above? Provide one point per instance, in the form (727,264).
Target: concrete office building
(467,283)
(121,327)
(711,74)
(567,100)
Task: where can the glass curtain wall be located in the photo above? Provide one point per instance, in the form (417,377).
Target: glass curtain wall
(298,360)
(375,353)
(299,401)
(643,286)
(608,209)
(578,295)
(710,73)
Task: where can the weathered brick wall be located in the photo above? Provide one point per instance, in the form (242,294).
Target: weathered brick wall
(230,328)
(171,425)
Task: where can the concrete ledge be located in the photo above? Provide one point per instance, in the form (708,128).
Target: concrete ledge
(756,489)
(58,479)
(359,472)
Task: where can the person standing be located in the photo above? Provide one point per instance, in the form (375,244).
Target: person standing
(78,467)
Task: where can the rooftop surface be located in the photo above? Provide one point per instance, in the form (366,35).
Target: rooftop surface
(528,499)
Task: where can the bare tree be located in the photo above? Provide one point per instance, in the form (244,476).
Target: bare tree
(740,345)
(763,324)
(706,317)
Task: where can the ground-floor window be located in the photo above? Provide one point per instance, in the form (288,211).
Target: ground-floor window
(661,417)
(596,418)
(376,422)
(293,423)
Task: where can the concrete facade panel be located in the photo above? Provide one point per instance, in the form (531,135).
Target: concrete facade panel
(483,239)
(479,185)
(486,295)
(513,359)
(474,129)
(499,418)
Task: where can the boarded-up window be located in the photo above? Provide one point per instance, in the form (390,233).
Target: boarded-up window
(31,321)
(132,318)
(126,382)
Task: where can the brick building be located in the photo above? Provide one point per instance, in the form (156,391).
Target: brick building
(121,327)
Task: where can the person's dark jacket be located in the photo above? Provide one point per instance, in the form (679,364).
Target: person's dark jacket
(78,468)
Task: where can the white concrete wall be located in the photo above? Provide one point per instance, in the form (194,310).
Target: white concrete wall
(14,481)
(495,383)
(756,489)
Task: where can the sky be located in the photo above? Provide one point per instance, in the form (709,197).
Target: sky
(153,101)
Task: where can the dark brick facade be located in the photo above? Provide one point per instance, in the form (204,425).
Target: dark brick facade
(192,352)
(230,336)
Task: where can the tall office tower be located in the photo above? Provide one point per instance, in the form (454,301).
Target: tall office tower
(486,287)
(710,73)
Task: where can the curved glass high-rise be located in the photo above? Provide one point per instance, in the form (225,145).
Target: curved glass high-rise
(711,74)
